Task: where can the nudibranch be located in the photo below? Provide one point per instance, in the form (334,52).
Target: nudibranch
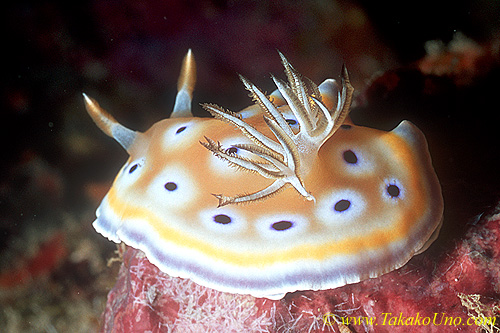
(287,194)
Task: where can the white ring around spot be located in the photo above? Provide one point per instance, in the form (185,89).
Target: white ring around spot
(237,223)
(299,225)
(327,214)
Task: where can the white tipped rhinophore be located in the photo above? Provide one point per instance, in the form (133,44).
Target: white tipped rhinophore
(108,124)
(182,108)
(185,87)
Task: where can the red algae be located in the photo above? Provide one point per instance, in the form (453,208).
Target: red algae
(144,298)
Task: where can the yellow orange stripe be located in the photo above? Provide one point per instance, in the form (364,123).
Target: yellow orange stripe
(373,241)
